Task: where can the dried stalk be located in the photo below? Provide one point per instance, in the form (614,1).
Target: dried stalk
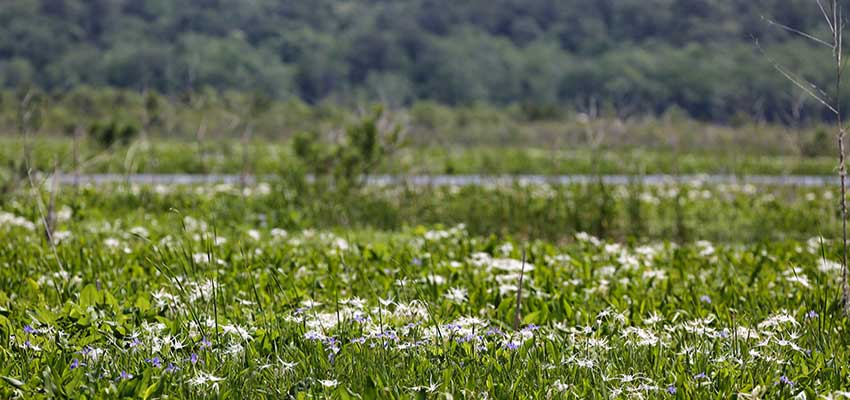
(834,17)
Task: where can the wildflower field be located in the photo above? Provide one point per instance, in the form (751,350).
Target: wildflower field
(262,292)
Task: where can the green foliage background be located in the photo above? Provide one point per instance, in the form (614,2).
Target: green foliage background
(634,56)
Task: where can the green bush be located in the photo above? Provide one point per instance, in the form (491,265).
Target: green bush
(112,132)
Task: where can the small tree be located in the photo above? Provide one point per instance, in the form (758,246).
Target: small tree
(833,14)
(114,131)
(363,147)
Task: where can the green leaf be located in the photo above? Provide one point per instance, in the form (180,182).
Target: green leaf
(89,296)
(12,381)
(151,391)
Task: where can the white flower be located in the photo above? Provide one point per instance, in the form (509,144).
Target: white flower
(341,244)
(777,319)
(286,366)
(61,236)
(204,378)
(585,237)
(235,350)
(237,330)
(653,319)
(14,220)
(802,279)
(706,248)
(559,386)
(139,231)
(64,214)
(456,295)
(329,383)
(434,279)
(828,266)
(506,249)
(757,393)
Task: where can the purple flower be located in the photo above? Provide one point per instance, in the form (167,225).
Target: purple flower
(511,346)
(783,380)
(156,362)
(705,299)
(360,340)
(417,261)
(453,327)
(125,376)
(811,315)
(205,343)
(135,342)
(530,328)
(494,331)
(671,389)
(701,375)
(312,336)
(29,330)
(171,368)
(75,363)
(193,358)
(464,339)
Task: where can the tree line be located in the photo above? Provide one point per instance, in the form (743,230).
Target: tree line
(714,60)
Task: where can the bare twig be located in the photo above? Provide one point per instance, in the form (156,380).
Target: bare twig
(838,52)
(805,85)
(799,32)
(835,21)
(826,16)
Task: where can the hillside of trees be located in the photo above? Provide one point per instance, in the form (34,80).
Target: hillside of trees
(631,56)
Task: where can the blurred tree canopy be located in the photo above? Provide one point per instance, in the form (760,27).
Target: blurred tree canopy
(633,56)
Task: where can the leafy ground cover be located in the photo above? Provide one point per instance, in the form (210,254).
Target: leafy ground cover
(268,157)
(205,292)
(688,212)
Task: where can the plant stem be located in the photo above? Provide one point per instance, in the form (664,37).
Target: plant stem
(837,38)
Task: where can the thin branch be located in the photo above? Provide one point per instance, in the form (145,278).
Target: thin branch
(798,32)
(808,87)
(826,16)
(794,80)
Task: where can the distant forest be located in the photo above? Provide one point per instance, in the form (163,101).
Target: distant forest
(629,56)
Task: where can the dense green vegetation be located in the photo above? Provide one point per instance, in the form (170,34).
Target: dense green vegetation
(198,292)
(128,132)
(629,56)
(211,115)
(302,279)
(725,213)
(269,158)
